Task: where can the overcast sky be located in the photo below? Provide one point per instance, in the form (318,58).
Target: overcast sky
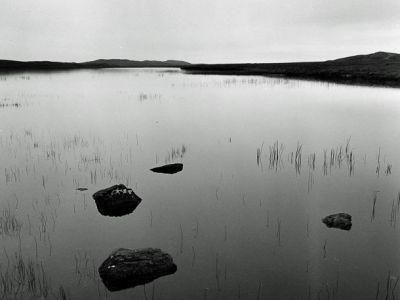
(197,30)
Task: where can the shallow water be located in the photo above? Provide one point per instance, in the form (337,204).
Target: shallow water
(243,218)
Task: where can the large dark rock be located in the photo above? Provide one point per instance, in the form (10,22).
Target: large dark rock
(168,169)
(340,220)
(126,268)
(116,201)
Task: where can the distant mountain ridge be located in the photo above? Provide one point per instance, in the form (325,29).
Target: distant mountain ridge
(96,64)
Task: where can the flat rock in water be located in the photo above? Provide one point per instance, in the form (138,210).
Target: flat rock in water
(168,169)
(116,201)
(126,268)
(340,220)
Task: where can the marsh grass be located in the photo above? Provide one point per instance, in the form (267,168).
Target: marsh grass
(311,161)
(24,279)
(374,199)
(388,169)
(259,153)
(175,154)
(333,158)
(325,164)
(217,272)
(85,266)
(324,249)
(278,231)
(12,174)
(10,225)
(275,155)
(63,294)
(297,159)
(181,239)
(391,284)
(394,213)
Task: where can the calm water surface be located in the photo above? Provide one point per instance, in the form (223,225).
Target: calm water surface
(240,221)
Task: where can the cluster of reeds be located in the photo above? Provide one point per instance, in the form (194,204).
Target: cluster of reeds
(23,279)
(85,159)
(9,223)
(374,199)
(351,163)
(12,174)
(175,154)
(74,142)
(390,288)
(395,211)
(311,161)
(278,231)
(275,155)
(325,164)
(297,159)
(378,165)
(324,248)
(259,152)
(13,104)
(149,96)
(63,294)
(85,266)
(388,169)
(333,158)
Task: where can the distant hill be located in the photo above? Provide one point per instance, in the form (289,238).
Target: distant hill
(377,57)
(380,68)
(100,63)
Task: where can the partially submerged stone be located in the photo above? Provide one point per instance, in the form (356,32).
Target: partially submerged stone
(116,201)
(126,268)
(168,169)
(340,220)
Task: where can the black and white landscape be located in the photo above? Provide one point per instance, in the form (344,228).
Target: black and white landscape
(199,149)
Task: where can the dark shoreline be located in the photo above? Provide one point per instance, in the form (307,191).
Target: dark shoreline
(367,74)
(20,66)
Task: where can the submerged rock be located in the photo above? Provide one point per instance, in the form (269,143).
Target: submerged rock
(340,220)
(168,169)
(126,268)
(116,201)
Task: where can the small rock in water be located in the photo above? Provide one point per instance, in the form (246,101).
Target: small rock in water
(168,169)
(116,201)
(126,268)
(81,189)
(340,220)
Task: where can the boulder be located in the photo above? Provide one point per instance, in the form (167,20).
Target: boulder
(116,201)
(340,220)
(126,268)
(168,169)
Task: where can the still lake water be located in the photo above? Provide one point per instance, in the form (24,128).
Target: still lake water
(238,223)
